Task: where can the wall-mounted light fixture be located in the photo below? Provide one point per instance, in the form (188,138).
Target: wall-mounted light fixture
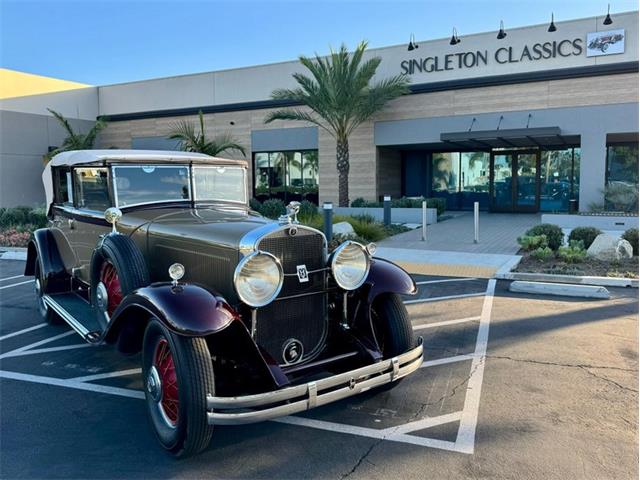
(501,33)
(607,20)
(412,43)
(454,37)
(552,26)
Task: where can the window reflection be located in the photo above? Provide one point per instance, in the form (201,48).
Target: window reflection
(474,168)
(286,175)
(621,189)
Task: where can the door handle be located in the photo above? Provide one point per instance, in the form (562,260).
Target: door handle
(72,223)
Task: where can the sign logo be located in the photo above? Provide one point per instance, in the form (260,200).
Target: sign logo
(605,43)
(303,275)
(292,351)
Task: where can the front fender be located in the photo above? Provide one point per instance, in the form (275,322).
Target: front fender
(43,247)
(186,309)
(387,277)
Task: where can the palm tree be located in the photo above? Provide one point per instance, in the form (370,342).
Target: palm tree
(192,141)
(341,98)
(74,140)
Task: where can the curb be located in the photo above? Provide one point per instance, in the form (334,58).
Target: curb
(560,289)
(13,253)
(569,279)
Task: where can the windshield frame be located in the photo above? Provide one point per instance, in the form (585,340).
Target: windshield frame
(192,198)
(211,200)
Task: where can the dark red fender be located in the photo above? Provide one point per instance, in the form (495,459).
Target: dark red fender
(387,277)
(189,310)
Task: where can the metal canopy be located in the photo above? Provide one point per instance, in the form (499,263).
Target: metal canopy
(509,138)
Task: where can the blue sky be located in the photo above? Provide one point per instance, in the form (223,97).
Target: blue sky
(103,42)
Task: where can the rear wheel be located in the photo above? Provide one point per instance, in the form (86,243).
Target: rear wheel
(44,310)
(178,375)
(392,328)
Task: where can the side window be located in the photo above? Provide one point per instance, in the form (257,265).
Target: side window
(63,187)
(92,188)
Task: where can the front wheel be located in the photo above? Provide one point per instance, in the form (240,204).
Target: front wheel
(392,328)
(39,286)
(178,375)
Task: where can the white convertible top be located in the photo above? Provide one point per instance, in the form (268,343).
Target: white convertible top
(102,157)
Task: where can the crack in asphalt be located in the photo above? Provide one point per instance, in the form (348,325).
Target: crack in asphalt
(362,458)
(608,380)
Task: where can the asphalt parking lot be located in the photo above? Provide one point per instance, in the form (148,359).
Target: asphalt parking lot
(513,386)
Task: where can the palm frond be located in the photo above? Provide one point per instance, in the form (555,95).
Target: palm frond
(63,121)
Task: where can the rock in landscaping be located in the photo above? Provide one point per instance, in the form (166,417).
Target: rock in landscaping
(609,248)
(343,228)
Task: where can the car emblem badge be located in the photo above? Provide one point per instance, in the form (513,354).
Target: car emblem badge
(292,351)
(303,275)
(293,231)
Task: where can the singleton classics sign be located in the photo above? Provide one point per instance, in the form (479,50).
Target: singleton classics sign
(503,55)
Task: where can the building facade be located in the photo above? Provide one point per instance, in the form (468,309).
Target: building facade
(536,121)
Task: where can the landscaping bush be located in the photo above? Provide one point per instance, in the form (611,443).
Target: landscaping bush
(255,204)
(574,253)
(359,202)
(440,204)
(273,208)
(631,236)
(533,243)
(308,209)
(14,238)
(585,234)
(553,232)
(542,254)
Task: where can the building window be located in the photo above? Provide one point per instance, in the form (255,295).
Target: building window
(621,183)
(559,179)
(462,178)
(288,176)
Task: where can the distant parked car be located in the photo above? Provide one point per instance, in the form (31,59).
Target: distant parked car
(239,319)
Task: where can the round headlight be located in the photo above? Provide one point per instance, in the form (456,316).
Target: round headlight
(258,279)
(350,265)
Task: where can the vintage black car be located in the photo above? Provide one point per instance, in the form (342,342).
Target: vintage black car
(602,42)
(238,318)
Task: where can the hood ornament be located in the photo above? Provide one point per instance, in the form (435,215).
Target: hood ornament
(292,214)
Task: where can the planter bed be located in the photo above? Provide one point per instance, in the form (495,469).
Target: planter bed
(595,268)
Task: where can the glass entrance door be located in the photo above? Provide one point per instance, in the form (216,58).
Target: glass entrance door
(514,181)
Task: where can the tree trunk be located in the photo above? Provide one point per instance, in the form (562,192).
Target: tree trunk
(342,164)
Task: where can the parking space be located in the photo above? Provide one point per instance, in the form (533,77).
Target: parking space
(501,373)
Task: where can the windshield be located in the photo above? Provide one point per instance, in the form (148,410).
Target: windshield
(142,184)
(219,183)
(135,185)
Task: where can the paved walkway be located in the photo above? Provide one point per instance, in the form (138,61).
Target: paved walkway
(498,234)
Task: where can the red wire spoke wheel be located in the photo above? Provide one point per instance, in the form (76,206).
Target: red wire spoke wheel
(169,402)
(109,277)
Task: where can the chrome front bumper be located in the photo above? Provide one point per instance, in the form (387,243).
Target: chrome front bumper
(265,406)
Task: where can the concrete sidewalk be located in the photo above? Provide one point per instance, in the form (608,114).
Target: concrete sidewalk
(498,234)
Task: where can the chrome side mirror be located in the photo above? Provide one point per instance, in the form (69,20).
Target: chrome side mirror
(113,216)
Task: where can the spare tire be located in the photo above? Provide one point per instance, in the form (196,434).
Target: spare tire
(117,269)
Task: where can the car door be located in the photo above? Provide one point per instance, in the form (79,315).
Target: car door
(62,216)
(92,198)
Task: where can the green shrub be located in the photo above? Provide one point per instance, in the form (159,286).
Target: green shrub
(273,208)
(12,217)
(574,253)
(631,236)
(38,218)
(359,202)
(255,204)
(542,254)
(308,209)
(532,243)
(553,232)
(365,218)
(440,204)
(586,234)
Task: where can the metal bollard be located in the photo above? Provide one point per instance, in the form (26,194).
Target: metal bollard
(387,210)
(424,221)
(476,222)
(327,207)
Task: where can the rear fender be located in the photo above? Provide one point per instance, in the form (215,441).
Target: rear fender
(43,247)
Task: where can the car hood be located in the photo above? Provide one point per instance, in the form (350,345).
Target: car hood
(222,226)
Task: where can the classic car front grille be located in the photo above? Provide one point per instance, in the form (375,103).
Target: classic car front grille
(304,316)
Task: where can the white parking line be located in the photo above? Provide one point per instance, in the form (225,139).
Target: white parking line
(10,278)
(445,360)
(437,299)
(101,376)
(427,282)
(20,332)
(467,430)
(444,323)
(47,350)
(36,344)
(16,284)
(59,382)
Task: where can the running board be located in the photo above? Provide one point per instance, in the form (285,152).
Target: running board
(88,336)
